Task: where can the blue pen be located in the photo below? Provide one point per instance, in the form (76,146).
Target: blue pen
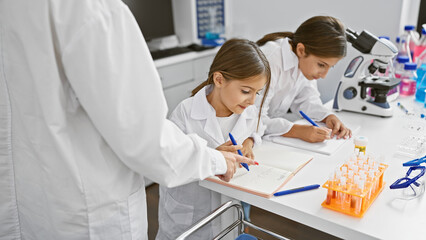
(239,151)
(295,190)
(307,118)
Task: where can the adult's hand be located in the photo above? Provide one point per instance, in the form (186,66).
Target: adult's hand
(229,147)
(232,161)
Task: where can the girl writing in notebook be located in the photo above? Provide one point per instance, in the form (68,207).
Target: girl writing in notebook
(297,60)
(220,105)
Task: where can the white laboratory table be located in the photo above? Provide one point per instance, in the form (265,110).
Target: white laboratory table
(387,217)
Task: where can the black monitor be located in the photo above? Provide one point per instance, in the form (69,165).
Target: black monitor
(155,17)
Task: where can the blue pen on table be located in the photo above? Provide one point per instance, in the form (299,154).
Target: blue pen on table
(295,190)
(307,118)
(239,151)
(402,108)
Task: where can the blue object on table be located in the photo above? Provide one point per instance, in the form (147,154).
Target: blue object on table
(295,190)
(239,151)
(307,118)
(415,162)
(406,181)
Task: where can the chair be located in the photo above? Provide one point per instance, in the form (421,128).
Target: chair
(240,223)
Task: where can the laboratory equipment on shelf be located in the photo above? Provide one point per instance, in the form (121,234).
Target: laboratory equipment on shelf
(359,76)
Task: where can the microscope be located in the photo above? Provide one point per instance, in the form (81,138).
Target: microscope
(360,76)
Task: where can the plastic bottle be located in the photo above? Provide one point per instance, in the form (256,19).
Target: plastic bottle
(421,89)
(409,41)
(361,143)
(407,86)
(421,72)
(399,65)
(400,46)
(421,46)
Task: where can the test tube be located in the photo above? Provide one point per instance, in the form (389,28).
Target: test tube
(330,191)
(344,197)
(354,191)
(337,175)
(358,200)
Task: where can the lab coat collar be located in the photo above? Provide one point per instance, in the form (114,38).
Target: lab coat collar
(241,126)
(290,59)
(202,110)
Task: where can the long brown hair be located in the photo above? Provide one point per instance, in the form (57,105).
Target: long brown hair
(322,36)
(239,59)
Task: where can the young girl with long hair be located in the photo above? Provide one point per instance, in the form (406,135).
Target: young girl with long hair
(297,60)
(221,105)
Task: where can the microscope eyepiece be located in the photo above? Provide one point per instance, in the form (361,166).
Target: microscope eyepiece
(363,42)
(351,35)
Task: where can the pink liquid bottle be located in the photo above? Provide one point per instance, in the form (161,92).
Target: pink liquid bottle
(407,87)
(409,40)
(421,47)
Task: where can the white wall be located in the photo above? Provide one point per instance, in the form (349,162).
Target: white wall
(254,18)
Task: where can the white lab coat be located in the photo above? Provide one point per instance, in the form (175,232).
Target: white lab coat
(182,206)
(82,120)
(289,90)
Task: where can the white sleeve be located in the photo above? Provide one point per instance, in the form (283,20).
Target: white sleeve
(179,116)
(109,66)
(273,126)
(308,100)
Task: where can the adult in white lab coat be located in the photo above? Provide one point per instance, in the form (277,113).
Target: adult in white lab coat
(82,120)
(221,105)
(297,60)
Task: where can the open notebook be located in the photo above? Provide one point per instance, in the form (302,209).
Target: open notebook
(276,167)
(327,147)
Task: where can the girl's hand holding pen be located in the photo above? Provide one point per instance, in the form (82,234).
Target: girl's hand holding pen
(309,133)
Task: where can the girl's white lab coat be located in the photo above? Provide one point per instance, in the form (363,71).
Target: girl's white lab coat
(289,90)
(82,120)
(182,206)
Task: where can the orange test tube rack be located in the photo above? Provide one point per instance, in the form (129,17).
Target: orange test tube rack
(354,203)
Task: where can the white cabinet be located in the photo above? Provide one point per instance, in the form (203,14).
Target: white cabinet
(181,74)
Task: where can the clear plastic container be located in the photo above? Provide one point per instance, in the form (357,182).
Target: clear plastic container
(421,88)
(409,40)
(399,65)
(421,71)
(407,87)
(421,46)
(361,143)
